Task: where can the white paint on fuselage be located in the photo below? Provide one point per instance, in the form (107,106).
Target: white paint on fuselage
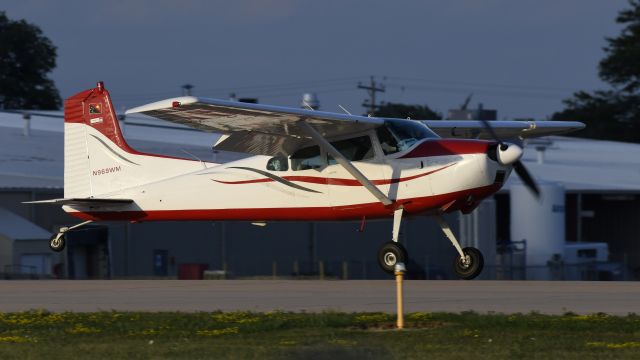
(202,187)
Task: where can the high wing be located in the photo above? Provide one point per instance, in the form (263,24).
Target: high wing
(275,130)
(255,128)
(474,129)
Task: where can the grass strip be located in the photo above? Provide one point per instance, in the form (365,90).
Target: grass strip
(334,335)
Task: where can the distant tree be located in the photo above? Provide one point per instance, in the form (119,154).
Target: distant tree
(613,114)
(609,115)
(26,57)
(403,111)
(621,67)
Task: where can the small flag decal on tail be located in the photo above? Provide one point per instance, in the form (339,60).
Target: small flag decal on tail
(95,108)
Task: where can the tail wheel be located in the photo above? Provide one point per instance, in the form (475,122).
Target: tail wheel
(390,254)
(57,242)
(469,266)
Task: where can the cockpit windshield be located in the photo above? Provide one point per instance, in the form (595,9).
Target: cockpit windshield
(399,135)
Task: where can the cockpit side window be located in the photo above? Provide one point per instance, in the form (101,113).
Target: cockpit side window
(307,158)
(405,132)
(388,143)
(354,149)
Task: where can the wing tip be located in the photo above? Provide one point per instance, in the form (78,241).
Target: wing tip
(162,104)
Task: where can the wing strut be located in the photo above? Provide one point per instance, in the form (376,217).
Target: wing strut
(322,142)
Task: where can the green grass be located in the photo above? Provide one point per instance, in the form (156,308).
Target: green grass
(330,335)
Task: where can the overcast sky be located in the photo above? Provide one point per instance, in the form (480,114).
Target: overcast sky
(520,57)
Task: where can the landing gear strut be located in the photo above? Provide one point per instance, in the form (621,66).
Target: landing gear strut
(58,241)
(392,252)
(469,262)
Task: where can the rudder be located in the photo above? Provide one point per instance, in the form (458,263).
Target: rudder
(93,108)
(97,159)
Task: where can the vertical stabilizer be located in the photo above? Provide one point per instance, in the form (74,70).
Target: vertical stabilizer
(97,159)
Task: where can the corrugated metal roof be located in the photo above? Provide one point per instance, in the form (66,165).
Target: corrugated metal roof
(18,228)
(585,165)
(37,161)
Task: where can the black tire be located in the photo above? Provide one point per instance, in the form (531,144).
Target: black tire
(473,268)
(58,244)
(390,254)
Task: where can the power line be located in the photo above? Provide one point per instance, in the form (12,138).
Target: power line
(441,89)
(328,91)
(291,85)
(497,85)
(261,89)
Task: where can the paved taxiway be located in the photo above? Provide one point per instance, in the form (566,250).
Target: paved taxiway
(313,296)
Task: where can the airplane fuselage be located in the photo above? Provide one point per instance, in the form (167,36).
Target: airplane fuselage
(432,175)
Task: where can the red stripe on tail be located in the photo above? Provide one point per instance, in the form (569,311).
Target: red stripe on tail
(93,108)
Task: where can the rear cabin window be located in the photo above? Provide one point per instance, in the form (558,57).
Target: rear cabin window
(278,163)
(355,149)
(307,158)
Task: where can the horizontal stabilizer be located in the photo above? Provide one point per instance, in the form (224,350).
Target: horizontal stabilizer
(82,201)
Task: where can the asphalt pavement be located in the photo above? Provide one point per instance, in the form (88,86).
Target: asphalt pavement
(556,297)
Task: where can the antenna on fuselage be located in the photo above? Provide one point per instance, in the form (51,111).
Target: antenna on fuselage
(195,157)
(308,106)
(345,110)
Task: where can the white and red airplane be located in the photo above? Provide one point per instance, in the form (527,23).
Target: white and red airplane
(307,165)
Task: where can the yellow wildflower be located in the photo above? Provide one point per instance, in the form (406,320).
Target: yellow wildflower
(218,332)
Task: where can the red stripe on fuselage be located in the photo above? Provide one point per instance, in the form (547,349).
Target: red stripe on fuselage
(446,147)
(334,181)
(346,212)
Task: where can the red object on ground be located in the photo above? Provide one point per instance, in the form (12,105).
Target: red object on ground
(191,271)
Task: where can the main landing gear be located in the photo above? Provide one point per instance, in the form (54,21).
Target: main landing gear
(467,264)
(58,241)
(393,252)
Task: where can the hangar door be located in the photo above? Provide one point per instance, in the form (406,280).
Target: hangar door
(36,263)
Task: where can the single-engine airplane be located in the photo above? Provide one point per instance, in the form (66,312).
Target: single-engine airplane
(307,165)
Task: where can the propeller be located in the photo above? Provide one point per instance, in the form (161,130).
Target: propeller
(513,158)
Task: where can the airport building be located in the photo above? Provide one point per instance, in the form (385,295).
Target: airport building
(584,228)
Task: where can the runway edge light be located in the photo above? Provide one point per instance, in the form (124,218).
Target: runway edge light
(400,269)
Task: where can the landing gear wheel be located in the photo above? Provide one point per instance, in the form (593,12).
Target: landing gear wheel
(57,242)
(390,254)
(471,265)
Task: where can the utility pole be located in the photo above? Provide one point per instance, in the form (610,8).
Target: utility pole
(372,89)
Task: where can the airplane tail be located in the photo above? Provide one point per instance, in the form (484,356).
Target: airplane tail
(97,159)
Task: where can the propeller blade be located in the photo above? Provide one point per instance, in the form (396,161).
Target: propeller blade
(526,178)
(522,171)
(490,130)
